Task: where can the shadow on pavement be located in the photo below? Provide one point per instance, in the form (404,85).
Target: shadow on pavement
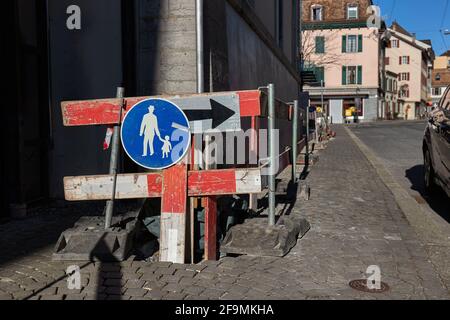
(438,202)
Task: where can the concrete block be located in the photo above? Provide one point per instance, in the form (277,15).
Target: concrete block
(255,237)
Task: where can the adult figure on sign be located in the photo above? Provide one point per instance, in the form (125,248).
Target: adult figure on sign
(149,127)
(150,120)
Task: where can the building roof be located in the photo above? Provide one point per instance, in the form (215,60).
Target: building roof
(397,27)
(409,38)
(389,72)
(446,54)
(427,41)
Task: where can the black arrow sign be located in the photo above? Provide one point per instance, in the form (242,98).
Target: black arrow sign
(218,113)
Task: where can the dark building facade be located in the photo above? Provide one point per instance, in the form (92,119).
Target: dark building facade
(81,49)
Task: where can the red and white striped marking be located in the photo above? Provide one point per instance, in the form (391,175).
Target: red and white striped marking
(149,185)
(172,238)
(106,111)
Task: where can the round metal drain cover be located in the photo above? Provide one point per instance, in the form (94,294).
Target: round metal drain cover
(361,285)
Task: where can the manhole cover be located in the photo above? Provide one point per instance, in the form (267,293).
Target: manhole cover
(361,285)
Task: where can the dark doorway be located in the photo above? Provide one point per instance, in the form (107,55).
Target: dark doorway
(25,120)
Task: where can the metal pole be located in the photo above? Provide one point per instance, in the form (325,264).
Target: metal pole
(294,141)
(307,134)
(315,128)
(323,107)
(109,211)
(200,49)
(200,89)
(272,155)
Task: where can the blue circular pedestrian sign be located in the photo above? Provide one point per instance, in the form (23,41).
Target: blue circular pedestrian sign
(155,134)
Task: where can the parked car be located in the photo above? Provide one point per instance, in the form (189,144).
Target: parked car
(436,147)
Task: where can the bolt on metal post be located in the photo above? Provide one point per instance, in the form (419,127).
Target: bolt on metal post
(294,140)
(272,155)
(109,210)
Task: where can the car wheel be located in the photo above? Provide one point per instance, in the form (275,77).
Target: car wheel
(428,173)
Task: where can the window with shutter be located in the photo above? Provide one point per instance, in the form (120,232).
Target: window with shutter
(344,75)
(360,74)
(352,75)
(320,74)
(352,43)
(320,44)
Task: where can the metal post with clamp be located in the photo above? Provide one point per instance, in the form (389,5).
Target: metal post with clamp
(115,151)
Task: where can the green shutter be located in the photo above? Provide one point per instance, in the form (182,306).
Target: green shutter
(359,74)
(320,45)
(344,44)
(360,43)
(344,75)
(320,74)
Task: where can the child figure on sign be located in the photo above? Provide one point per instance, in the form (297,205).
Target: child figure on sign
(167,147)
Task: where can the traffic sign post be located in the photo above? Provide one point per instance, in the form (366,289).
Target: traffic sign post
(109,209)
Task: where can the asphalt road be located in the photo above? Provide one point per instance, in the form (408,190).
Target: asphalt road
(399,145)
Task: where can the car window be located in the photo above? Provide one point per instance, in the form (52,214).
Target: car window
(445,101)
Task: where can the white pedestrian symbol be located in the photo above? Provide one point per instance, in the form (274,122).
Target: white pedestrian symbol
(149,127)
(167,147)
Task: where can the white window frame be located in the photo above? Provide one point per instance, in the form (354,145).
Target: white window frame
(317,6)
(348,44)
(436,91)
(354,8)
(405,59)
(348,75)
(395,43)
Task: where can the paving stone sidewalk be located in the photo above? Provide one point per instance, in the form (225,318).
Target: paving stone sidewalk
(355,223)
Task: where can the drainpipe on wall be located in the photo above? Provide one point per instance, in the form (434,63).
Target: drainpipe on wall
(199,31)
(200,89)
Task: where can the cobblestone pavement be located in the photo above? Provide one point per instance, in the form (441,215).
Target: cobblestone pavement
(355,223)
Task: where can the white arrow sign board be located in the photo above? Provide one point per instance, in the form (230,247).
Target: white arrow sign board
(217,112)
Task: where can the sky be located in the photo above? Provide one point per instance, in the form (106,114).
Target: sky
(424,17)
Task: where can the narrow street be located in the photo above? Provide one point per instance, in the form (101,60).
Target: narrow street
(355,223)
(399,145)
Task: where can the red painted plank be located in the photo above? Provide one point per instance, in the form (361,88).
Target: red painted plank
(250,102)
(212,182)
(210,205)
(173,214)
(174,191)
(106,111)
(154,185)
